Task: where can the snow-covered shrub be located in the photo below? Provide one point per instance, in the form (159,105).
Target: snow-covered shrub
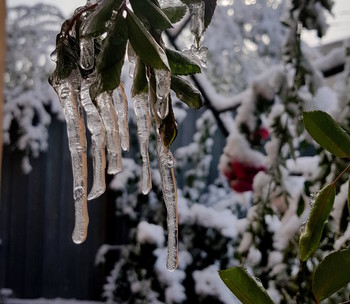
(29,101)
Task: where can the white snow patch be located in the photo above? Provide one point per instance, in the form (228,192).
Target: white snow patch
(150,233)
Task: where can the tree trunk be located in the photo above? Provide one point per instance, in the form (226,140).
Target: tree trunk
(2,69)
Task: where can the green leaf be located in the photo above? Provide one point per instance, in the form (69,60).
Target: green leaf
(331,274)
(144,44)
(67,55)
(111,59)
(327,133)
(311,236)
(349,194)
(244,287)
(140,84)
(186,92)
(153,14)
(180,64)
(95,24)
(210,6)
(168,127)
(175,12)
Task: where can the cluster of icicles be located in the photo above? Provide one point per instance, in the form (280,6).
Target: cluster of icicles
(107,122)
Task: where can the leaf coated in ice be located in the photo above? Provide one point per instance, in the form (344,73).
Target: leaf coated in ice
(163,82)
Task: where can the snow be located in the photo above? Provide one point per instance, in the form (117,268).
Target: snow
(150,233)
(48,301)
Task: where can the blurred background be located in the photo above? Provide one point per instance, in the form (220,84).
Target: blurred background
(117,263)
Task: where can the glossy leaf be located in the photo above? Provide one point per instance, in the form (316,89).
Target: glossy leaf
(244,287)
(186,92)
(95,24)
(311,236)
(210,6)
(153,14)
(67,55)
(168,127)
(331,274)
(180,64)
(140,83)
(144,44)
(349,194)
(327,133)
(175,12)
(111,59)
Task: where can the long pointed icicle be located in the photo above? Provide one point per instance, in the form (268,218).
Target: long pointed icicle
(77,145)
(143,122)
(110,121)
(163,82)
(121,106)
(169,189)
(98,141)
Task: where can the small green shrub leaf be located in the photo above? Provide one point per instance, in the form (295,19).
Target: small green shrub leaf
(140,84)
(186,92)
(327,133)
(111,59)
(168,127)
(144,44)
(311,236)
(95,24)
(147,9)
(175,12)
(331,274)
(244,287)
(210,6)
(180,64)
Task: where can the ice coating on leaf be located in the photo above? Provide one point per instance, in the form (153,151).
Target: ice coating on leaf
(132,57)
(110,121)
(121,107)
(143,122)
(198,55)
(86,60)
(98,141)
(168,182)
(197,19)
(77,145)
(163,82)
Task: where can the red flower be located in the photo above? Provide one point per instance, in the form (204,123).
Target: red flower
(241,176)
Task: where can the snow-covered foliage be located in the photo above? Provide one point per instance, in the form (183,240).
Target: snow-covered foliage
(268,152)
(29,101)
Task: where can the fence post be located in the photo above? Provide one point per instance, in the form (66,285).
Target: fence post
(2,70)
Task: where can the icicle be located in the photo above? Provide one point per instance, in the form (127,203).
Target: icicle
(132,57)
(143,121)
(197,19)
(77,144)
(163,82)
(121,106)
(86,53)
(166,169)
(110,121)
(98,141)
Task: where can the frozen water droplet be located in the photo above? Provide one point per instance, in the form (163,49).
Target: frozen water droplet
(86,53)
(98,141)
(197,19)
(53,56)
(121,106)
(110,121)
(143,122)
(163,82)
(69,99)
(169,190)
